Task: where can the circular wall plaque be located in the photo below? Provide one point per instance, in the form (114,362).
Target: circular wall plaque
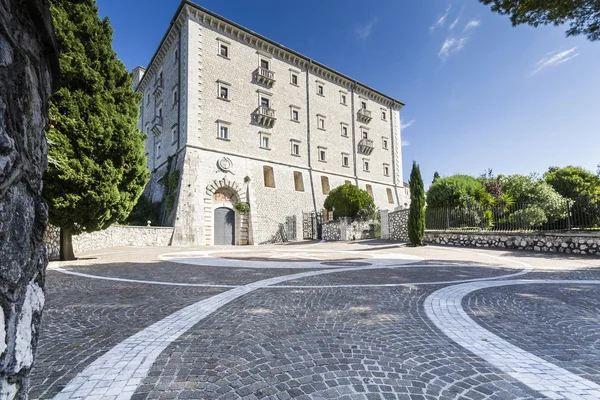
(224,164)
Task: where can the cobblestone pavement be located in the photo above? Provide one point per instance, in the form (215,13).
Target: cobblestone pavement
(314,321)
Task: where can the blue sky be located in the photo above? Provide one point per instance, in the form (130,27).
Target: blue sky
(479,93)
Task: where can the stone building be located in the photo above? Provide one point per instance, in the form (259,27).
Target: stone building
(242,118)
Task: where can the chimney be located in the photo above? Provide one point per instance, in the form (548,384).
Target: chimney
(138,74)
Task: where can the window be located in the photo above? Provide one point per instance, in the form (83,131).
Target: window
(176,54)
(366,165)
(384,143)
(383,115)
(298,182)
(265,101)
(322,154)
(265,141)
(294,78)
(343,98)
(321,122)
(264,63)
(389,195)
(295,113)
(157,149)
(148,101)
(295,148)
(175,97)
(363,105)
(174,136)
(386,169)
(320,89)
(223,91)
(369,190)
(160,78)
(159,112)
(223,130)
(269,177)
(325,184)
(344,130)
(365,134)
(345,160)
(223,49)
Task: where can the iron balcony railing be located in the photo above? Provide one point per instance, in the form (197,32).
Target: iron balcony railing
(364,115)
(265,76)
(365,146)
(265,116)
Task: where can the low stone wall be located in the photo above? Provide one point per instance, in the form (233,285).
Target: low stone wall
(574,243)
(345,230)
(111,237)
(398,225)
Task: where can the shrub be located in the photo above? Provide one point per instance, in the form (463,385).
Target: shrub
(242,207)
(350,201)
(453,191)
(143,211)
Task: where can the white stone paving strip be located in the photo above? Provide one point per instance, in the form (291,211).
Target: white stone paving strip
(118,373)
(444,308)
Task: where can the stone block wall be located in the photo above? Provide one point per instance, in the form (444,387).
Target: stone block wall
(111,237)
(569,243)
(331,231)
(344,230)
(398,225)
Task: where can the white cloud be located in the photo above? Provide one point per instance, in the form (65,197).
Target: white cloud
(364,31)
(474,23)
(453,25)
(441,20)
(454,44)
(405,143)
(554,58)
(404,125)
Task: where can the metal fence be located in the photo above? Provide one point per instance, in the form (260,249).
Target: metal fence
(581,214)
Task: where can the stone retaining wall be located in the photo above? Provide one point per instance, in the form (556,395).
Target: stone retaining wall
(574,243)
(345,230)
(114,236)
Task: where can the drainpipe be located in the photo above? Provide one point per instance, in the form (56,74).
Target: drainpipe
(392,143)
(310,171)
(354,149)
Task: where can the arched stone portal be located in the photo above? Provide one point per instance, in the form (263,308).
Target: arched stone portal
(224,224)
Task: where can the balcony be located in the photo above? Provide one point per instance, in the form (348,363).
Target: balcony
(158,87)
(364,115)
(157,122)
(265,116)
(365,146)
(264,76)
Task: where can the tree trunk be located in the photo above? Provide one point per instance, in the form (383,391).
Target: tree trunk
(66,245)
(28,68)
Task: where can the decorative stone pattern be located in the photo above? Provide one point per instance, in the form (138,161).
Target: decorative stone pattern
(548,242)
(29,70)
(398,225)
(331,231)
(114,236)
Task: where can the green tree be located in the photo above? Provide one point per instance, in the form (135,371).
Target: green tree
(573,182)
(454,191)
(436,176)
(583,16)
(350,201)
(416,213)
(98,167)
(530,191)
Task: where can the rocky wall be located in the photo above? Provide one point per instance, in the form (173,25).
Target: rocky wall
(398,225)
(114,236)
(569,243)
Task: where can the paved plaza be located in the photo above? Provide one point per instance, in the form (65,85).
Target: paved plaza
(311,320)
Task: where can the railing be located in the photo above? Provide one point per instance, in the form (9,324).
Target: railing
(265,111)
(364,115)
(365,146)
(157,120)
(582,214)
(158,87)
(265,76)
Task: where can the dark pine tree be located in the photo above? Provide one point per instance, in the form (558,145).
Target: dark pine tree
(436,176)
(416,213)
(97,168)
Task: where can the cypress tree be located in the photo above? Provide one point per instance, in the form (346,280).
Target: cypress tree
(416,214)
(97,168)
(436,176)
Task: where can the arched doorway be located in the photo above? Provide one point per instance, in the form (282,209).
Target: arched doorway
(224,226)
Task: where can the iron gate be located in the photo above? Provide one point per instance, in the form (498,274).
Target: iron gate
(312,225)
(290,227)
